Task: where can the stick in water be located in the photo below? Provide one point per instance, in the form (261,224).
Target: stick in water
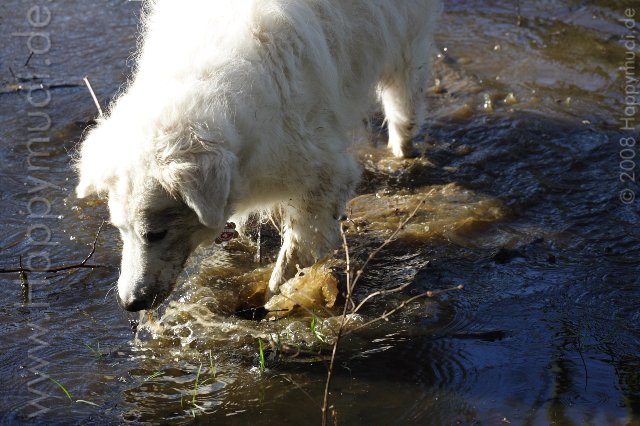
(93,95)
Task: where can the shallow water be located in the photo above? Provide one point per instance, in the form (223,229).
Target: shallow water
(520,175)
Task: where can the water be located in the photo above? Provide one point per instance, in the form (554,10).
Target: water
(521,179)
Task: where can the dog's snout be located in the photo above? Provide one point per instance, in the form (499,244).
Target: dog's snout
(134,304)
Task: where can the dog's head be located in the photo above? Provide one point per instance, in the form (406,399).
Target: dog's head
(166,196)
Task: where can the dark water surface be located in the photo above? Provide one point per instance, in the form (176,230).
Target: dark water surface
(523,180)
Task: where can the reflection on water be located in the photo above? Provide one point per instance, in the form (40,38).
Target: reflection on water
(519,176)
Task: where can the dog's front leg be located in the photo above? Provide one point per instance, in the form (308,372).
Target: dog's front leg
(311,220)
(291,257)
(310,231)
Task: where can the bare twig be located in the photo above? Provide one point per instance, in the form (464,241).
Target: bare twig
(21,270)
(380,293)
(26,64)
(300,388)
(351,284)
(388,241)
(325,401)
(403,304)
(93,95)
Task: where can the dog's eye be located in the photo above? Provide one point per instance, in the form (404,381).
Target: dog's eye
(153,237)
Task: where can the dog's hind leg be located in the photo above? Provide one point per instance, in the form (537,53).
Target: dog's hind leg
(402,96)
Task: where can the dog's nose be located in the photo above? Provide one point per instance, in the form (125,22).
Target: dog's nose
(133,304)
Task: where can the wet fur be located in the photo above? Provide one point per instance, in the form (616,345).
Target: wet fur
(238,106)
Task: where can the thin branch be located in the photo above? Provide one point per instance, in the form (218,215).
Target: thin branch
(402,305)
(351,284)
(93,246)
(325,401)
(93,95)
(26,64)
(80,265)
(300,388)
(23,275)
(389,240)
(380,293)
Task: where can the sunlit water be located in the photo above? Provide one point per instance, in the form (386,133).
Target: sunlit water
(520,181)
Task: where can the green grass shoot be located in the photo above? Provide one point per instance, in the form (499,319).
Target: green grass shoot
(66,392)
(212,366)
(153,376)
(195,386)
(97,351)
(212,371)
(61,386)
(313,324)
(314,327)
(261,354)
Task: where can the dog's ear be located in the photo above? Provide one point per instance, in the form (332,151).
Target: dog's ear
(93,165)
(203,182)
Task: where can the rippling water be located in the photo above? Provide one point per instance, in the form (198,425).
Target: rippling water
(521,181)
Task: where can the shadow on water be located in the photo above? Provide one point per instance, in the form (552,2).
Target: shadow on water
(521,178)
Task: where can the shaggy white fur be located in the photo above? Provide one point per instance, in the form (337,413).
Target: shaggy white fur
(238,106)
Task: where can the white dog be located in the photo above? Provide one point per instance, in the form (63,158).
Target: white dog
(245,105)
